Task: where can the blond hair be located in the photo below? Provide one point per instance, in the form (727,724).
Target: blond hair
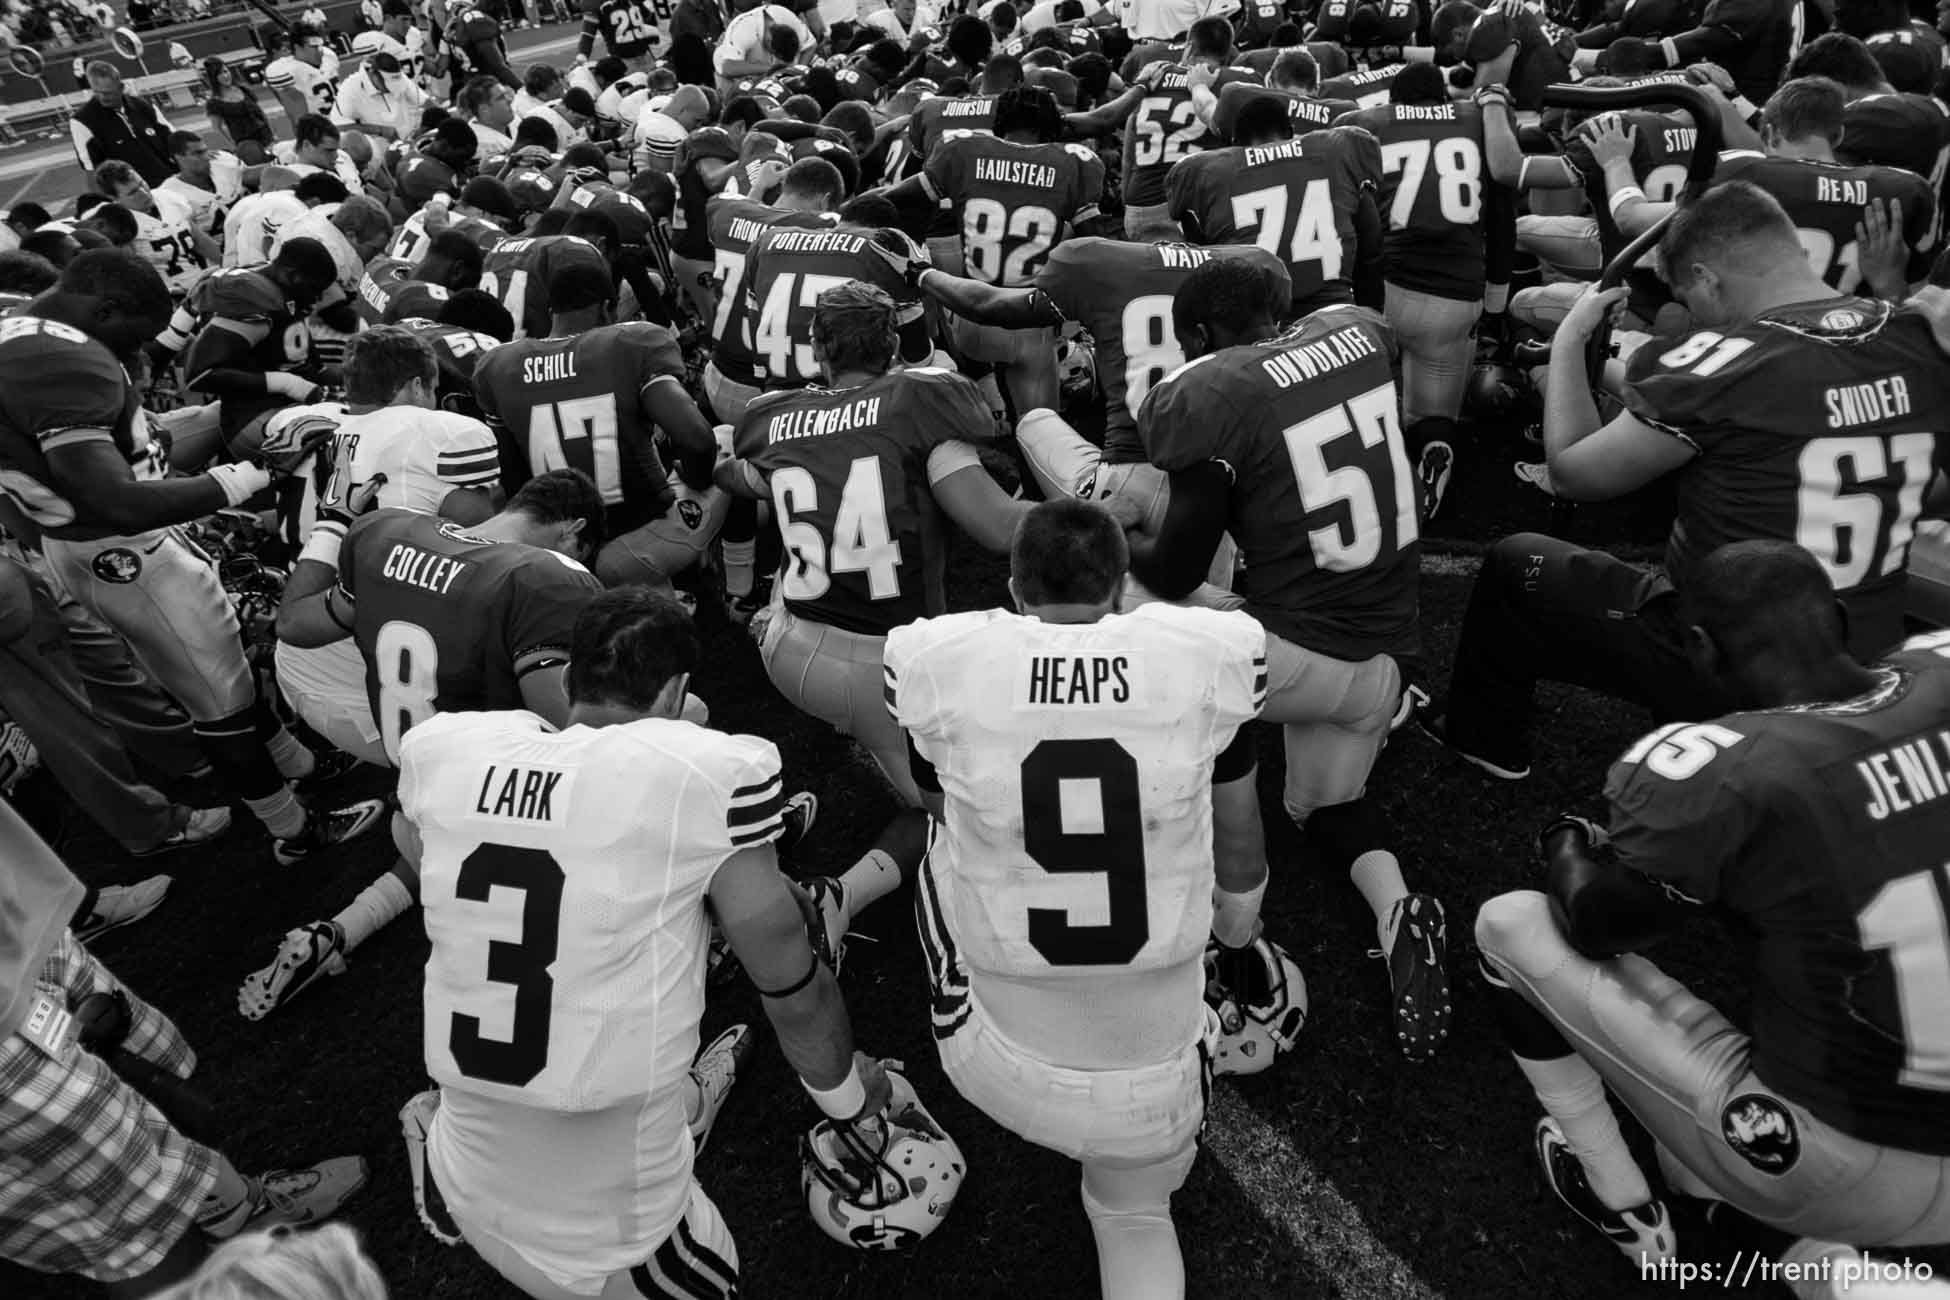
(323,1264)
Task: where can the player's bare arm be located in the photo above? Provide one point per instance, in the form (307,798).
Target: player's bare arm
(766,929)
(1109,115)
(1611,145)
(316,610)
(990,304)
(666,403)
(1590,462)
(542,675)
(468,506)
(91,474)
(1603,907)
(1508,163)
(972,497)
(741,478)
(1176,559)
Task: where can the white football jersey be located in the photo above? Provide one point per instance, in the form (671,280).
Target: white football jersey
(164,240)
(1076,764)
(424,454)
(411,52)
(318,85)
(563,878)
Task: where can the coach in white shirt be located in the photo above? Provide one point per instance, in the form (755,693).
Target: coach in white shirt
(1166,20)
(379,100)
(744,49)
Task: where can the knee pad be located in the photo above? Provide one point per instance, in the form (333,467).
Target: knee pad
(1343,832)
(1110,1198)
(1512,928)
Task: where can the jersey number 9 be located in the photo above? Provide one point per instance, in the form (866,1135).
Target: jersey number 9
(1080,813)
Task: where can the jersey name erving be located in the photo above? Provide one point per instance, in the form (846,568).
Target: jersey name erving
(525,793)
(1261,154)
(423,569)
(811,424)
(548,369)
(1870,403)
(1009,171)
(1297,365)
(1906,776)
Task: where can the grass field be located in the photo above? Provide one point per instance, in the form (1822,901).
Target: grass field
(1344,1172)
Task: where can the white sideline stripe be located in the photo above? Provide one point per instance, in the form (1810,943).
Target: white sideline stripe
(1450,566)
(1309,1210)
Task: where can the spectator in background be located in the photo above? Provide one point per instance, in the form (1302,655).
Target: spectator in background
(235,112)
(372,13)
(112,125)
(379,100)
(304,74)
(321,1264)
(315,15)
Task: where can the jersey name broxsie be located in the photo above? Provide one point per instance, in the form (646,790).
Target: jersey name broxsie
(1905,776)
(423,569)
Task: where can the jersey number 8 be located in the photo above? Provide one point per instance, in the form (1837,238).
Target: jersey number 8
(408,663)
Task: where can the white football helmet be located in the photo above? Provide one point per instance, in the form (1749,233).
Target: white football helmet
(1261,1001)
(882,1184)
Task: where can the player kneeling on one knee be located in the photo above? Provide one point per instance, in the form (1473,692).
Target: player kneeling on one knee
(1819,813)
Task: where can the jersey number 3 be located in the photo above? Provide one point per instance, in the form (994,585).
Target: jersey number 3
(1080,813)
(524,964)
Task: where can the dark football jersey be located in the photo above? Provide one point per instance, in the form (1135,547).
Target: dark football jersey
(1824,827)
(1295,199)
(1431,195)
(1368,89)
(936,117)
(469,28)
(517,271)
(79,393)
(690,228)
(1324,504)
(1012,201)
(388,293)
(441,616)
(628,28)
(1825,202)
(412,243)
(1121,293)
(1906,131)
(633,220)
(1329,59)
(245,295)
(456,351)
(1818,424)
(849,476)
(1662,149)
(785,272)
(575,402)
(1382,44)
(1305,112)
(736,225)
(1257,20)
(1163,131)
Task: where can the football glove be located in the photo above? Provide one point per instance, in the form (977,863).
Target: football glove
(906,258)
(1595,836)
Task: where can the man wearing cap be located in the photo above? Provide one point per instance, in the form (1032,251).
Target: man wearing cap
(113,125)
(398,35)
(379,99)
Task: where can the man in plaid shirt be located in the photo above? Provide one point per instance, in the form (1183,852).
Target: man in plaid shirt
(94,1179)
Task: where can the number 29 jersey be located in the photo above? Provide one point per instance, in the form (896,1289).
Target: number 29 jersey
(1076,764)
(442,616)
(563,877)
(1818,423)
(1824,826)
(1323,505)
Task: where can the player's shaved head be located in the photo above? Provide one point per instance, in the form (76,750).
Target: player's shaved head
(1262,121)
(1762,621)
(578,287)
(1294,70)
(25,272)
(1807,108)
(480,312)
(855,329)
(1003,72)
(380,363)
(1068,553)
(305,266)
(815,180)
(599,228)
(1224,302)
(1731,238)
(633,652)
(113,294)
(1419,83)
(452,260)
(1209,40)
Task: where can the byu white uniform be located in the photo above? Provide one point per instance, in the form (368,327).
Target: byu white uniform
(563,878)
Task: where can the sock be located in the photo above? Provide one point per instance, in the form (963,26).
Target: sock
(294,761)
(738,572)
(1378,875)
(1138,1256)
(281,813)
(869,880)
(377,906)
(227,1207)
(1574,1096)
(1821,1265)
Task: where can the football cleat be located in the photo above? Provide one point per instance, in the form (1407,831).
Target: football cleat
(294,1197)
(1435,465)
(884,1183)
(1418,975)
(200,826)
(324,829)
(328,765)
(1537,473)
(415,1122)
(1260,998)
(1414,699)
(1643,1233)
(801,811)
(1436,727)
(308,954)
(715,1071)
(120,905)
(827,920)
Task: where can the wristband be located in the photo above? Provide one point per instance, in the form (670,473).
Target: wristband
(239,482)
(322,547)
(843,1102)
(1496,299)
(1745,107)
(1670,49)
(1235,917)
(1625,196)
